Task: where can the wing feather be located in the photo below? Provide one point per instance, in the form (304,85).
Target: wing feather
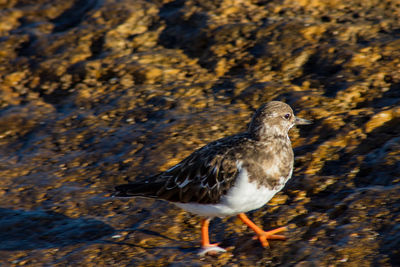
(204,176)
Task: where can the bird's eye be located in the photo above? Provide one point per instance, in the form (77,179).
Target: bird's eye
(287,116)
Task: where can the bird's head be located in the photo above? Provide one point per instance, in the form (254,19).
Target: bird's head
(274,118)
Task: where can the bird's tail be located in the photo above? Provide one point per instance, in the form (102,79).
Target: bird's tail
(136,189)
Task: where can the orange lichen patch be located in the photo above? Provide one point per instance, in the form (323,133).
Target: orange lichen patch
(366,56)
(278,199)
(352,95)
(313,32)
(381,118)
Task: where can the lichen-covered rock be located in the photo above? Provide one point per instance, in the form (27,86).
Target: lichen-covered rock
(96,93)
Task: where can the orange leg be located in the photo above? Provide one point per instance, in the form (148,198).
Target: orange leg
(208,248)
(262,235)
(205,237)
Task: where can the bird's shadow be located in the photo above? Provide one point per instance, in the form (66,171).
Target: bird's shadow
(184,246)
(184,249)
(40,229)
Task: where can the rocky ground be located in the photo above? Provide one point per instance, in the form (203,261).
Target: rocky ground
(95,93)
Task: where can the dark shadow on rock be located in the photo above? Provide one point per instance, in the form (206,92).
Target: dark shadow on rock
(182,32)
(38,229)
(322,70)
(390,244)
(188,248)
(74,15)
(380,166)
(389,98)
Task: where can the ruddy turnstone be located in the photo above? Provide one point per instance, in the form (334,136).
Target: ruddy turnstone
(230,176)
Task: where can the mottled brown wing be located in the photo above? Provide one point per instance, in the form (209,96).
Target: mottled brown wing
(203,177)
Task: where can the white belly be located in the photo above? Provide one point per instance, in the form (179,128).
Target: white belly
(242,197)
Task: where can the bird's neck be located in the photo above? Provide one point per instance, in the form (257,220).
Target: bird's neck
(267,133)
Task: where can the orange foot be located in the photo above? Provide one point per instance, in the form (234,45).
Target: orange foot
(265,235)
(206,247)
(262,235)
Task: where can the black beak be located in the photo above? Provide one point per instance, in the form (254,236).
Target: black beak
(300,121)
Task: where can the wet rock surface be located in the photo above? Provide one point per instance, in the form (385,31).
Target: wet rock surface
(96,93)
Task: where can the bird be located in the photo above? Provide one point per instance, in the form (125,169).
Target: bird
(229,176)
